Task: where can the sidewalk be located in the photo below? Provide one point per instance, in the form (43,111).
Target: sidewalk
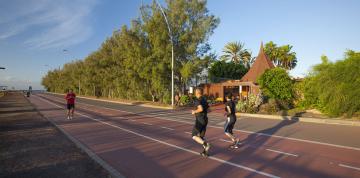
(137,103)
(304,119)
(30,146)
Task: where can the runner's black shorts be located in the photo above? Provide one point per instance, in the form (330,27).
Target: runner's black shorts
(70,106)
(229,124)
(201,122)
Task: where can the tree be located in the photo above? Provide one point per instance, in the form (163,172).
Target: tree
(277,84)
(221,70)
(334,87)
(235,52)
(135,62)
(281,56)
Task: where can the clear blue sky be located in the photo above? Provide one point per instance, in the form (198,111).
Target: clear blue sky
(33,33)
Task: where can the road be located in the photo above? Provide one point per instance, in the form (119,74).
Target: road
(146,142)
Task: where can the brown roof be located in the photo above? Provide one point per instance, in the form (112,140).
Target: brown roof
(262,62)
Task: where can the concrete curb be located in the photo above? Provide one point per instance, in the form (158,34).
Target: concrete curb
(113,172)
(119,102)
(303,119)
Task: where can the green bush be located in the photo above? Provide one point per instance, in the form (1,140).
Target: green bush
(167,98)
(248,106)
(271,107)
(184,100)
(277,84)
(334,88)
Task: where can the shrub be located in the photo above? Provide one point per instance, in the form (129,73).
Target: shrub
(184,100)
(334,88)
(277,84)
(167,98)
(271,107)
(248,106)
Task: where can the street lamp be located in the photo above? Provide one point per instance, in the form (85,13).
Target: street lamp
(172,53)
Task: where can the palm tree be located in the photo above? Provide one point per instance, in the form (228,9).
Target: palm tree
(272,52)
(235,52)
(287,58)
(282,56)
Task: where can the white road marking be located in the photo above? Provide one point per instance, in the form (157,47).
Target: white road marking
(281,152)
(188,132)
(172,145)
(133,120)
(225,140)
(245,131)
(168,128)
(350,167)
(146,123)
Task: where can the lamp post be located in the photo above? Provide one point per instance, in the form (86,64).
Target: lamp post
(172,53)
(3,68)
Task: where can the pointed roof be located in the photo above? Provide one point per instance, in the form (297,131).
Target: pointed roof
(262,62)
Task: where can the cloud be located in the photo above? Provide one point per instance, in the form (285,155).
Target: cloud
(47,23)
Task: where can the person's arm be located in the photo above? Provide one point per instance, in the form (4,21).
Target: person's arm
(228,109)
(198,109)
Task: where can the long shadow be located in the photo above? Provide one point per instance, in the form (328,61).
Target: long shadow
(256,140)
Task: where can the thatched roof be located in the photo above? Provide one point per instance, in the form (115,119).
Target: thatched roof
(262,62)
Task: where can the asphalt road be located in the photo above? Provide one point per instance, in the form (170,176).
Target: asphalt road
(148,142)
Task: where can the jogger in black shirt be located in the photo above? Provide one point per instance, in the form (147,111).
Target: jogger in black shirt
(201,121)
(230,120)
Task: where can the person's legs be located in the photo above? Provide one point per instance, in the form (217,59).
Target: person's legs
(72,111)
(198,134)
(68,111)
(198,140)
(229,125)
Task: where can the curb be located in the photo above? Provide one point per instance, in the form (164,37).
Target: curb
(113,172)
(119,102)
(303,119)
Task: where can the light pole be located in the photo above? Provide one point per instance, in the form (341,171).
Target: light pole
(3,68)
(172,53)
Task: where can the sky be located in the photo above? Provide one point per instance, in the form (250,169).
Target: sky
(34,33)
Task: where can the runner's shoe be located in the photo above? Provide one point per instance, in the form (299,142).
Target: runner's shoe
(235,144)
(204,154)
(68,118)
(207,147)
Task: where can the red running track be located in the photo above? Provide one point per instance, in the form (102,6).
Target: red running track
(147,146)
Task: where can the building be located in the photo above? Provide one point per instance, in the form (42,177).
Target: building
(246,85)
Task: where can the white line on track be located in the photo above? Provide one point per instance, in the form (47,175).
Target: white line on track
(350,167)
(172,145)
(168,128)
(132,120)
(245,131)
(225,140)
(281,152)
(188,133)
(146,123)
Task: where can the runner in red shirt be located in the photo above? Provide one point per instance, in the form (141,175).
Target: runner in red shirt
(70,102)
